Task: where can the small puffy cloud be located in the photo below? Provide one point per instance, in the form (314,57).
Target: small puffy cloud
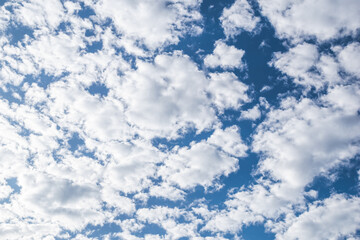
(229,140)
(297,60)
(237,18)
(321,19)
(251,114)
(225,56)
(227,91)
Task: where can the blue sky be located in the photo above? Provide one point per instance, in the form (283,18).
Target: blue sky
(179,119)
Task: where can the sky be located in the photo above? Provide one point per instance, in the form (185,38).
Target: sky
(180,119)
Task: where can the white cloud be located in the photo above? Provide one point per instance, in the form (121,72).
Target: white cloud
(298,141)
(121,204)
(155,23)
(229,140)
(335,217)
(348,58)
(227,91)
(237,18)
(167,218)
(166,96)
(322,19)
(40,13)
(204,162)
(307,66)
(5,191)
(60,201)
(251,114)
(225,56)
(168,192)
(244,208)
(198,165)
(297,60)
(131,173)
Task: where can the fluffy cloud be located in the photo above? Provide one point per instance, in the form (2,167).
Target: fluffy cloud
(298,142)
(166,96)
(333,218)
(225,56)
(227,91)
(198,165)
(154,23)
(237,18)
(245,207)
(203,162)
(251,114)
(323,20)
(40,14)
(347,56)
(308,67)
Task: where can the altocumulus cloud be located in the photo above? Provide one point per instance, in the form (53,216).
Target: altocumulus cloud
(179,119)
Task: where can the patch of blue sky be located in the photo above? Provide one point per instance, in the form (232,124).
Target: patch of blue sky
(94,46)
(44,79)
(190,135)
(98,89)
(16,33)
(12,182)
(85,11)
(11,94)
(107,228)
(151,228)
(257,231)
(75,142)
(342,179)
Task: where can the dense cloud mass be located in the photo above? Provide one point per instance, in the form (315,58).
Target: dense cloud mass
(180,119)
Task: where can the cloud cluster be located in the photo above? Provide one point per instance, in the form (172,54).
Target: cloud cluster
(106,131)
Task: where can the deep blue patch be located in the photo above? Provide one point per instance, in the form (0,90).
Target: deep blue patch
(17,33)
(345,182)
(151,228)
(2,2)
(256,232)
(94,47)
(89,33)
(97,231)
(75,142)
(98,89)
(85,11)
